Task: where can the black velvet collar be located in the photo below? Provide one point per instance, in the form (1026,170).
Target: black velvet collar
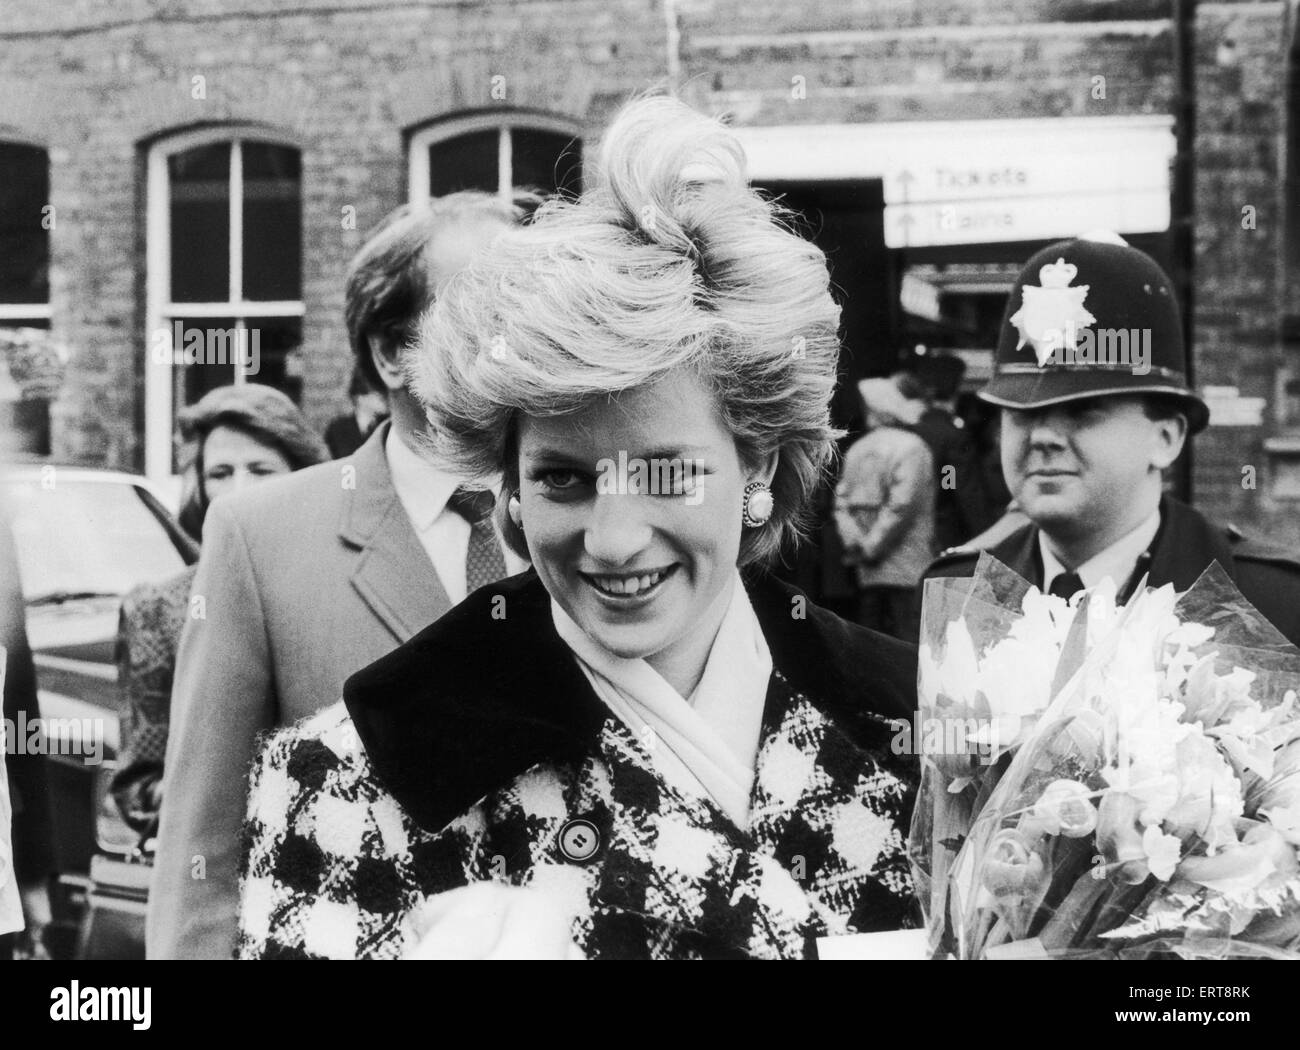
(490,690)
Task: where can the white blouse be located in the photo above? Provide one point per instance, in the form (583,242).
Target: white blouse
(707,744)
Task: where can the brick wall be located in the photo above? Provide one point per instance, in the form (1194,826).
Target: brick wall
(1240,66)
(95,82)
(974,61)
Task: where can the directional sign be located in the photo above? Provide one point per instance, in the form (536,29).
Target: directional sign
(964,182)
(1025,218)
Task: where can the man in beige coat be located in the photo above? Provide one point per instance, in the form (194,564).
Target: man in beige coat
(305,580)
(884,510)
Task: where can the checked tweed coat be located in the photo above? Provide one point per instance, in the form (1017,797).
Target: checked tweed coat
(464,754)
(153,616)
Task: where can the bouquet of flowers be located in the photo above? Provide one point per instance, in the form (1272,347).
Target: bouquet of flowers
(991,647)
(1139,796)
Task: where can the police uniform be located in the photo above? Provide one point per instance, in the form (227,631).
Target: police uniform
(1083,284)
(1184,547)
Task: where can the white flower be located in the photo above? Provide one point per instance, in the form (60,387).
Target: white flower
(1286,819)
(1016,673)
(1009,684)
(1162,852)
(1209,795)
(1145,762)
(954,675)
(1139,638)
(1065,808)
(1279,798)
(1045,616)
(1213,699)
(1261,854)
(1172,769)
(1189,635)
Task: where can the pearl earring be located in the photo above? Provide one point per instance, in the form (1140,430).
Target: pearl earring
(758,504)
(515,511)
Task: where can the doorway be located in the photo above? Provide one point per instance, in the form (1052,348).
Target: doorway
(846,219)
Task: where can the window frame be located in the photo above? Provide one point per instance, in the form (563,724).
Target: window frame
(502,121)
(159,409)
(13,315)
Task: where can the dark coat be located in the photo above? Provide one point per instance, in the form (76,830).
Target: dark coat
(481,739)
(1183,548)
(28,790)
(343,435)
(964,506)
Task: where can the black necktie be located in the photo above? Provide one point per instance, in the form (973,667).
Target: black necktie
(1066,585)
(484,562)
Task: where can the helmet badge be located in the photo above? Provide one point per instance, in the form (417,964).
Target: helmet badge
(1051,315)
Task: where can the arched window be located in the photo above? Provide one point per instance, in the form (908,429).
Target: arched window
(26,219)
(495,152)
(224,273)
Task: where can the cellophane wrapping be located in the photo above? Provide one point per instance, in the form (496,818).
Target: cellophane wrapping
(1132,788)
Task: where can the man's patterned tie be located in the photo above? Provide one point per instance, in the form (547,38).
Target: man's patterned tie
(484,562)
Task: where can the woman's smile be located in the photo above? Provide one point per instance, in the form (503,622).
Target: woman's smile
(644,572)
(629,590)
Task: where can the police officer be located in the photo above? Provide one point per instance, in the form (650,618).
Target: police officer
(1089,373)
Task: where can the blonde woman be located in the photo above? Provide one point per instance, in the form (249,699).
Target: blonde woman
(643,747)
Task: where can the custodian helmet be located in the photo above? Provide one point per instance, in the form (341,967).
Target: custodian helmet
(1091,317)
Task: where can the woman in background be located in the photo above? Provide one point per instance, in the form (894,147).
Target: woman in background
(236,435)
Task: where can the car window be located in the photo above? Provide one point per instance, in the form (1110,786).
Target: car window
(87,538)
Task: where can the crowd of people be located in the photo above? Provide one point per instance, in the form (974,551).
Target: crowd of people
(580,715)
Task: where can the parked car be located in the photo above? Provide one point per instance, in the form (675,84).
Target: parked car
(84,539)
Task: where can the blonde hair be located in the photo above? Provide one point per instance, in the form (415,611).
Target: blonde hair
(669,260)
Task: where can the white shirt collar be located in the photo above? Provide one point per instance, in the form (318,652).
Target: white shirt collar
(1117,561)
(423,487)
